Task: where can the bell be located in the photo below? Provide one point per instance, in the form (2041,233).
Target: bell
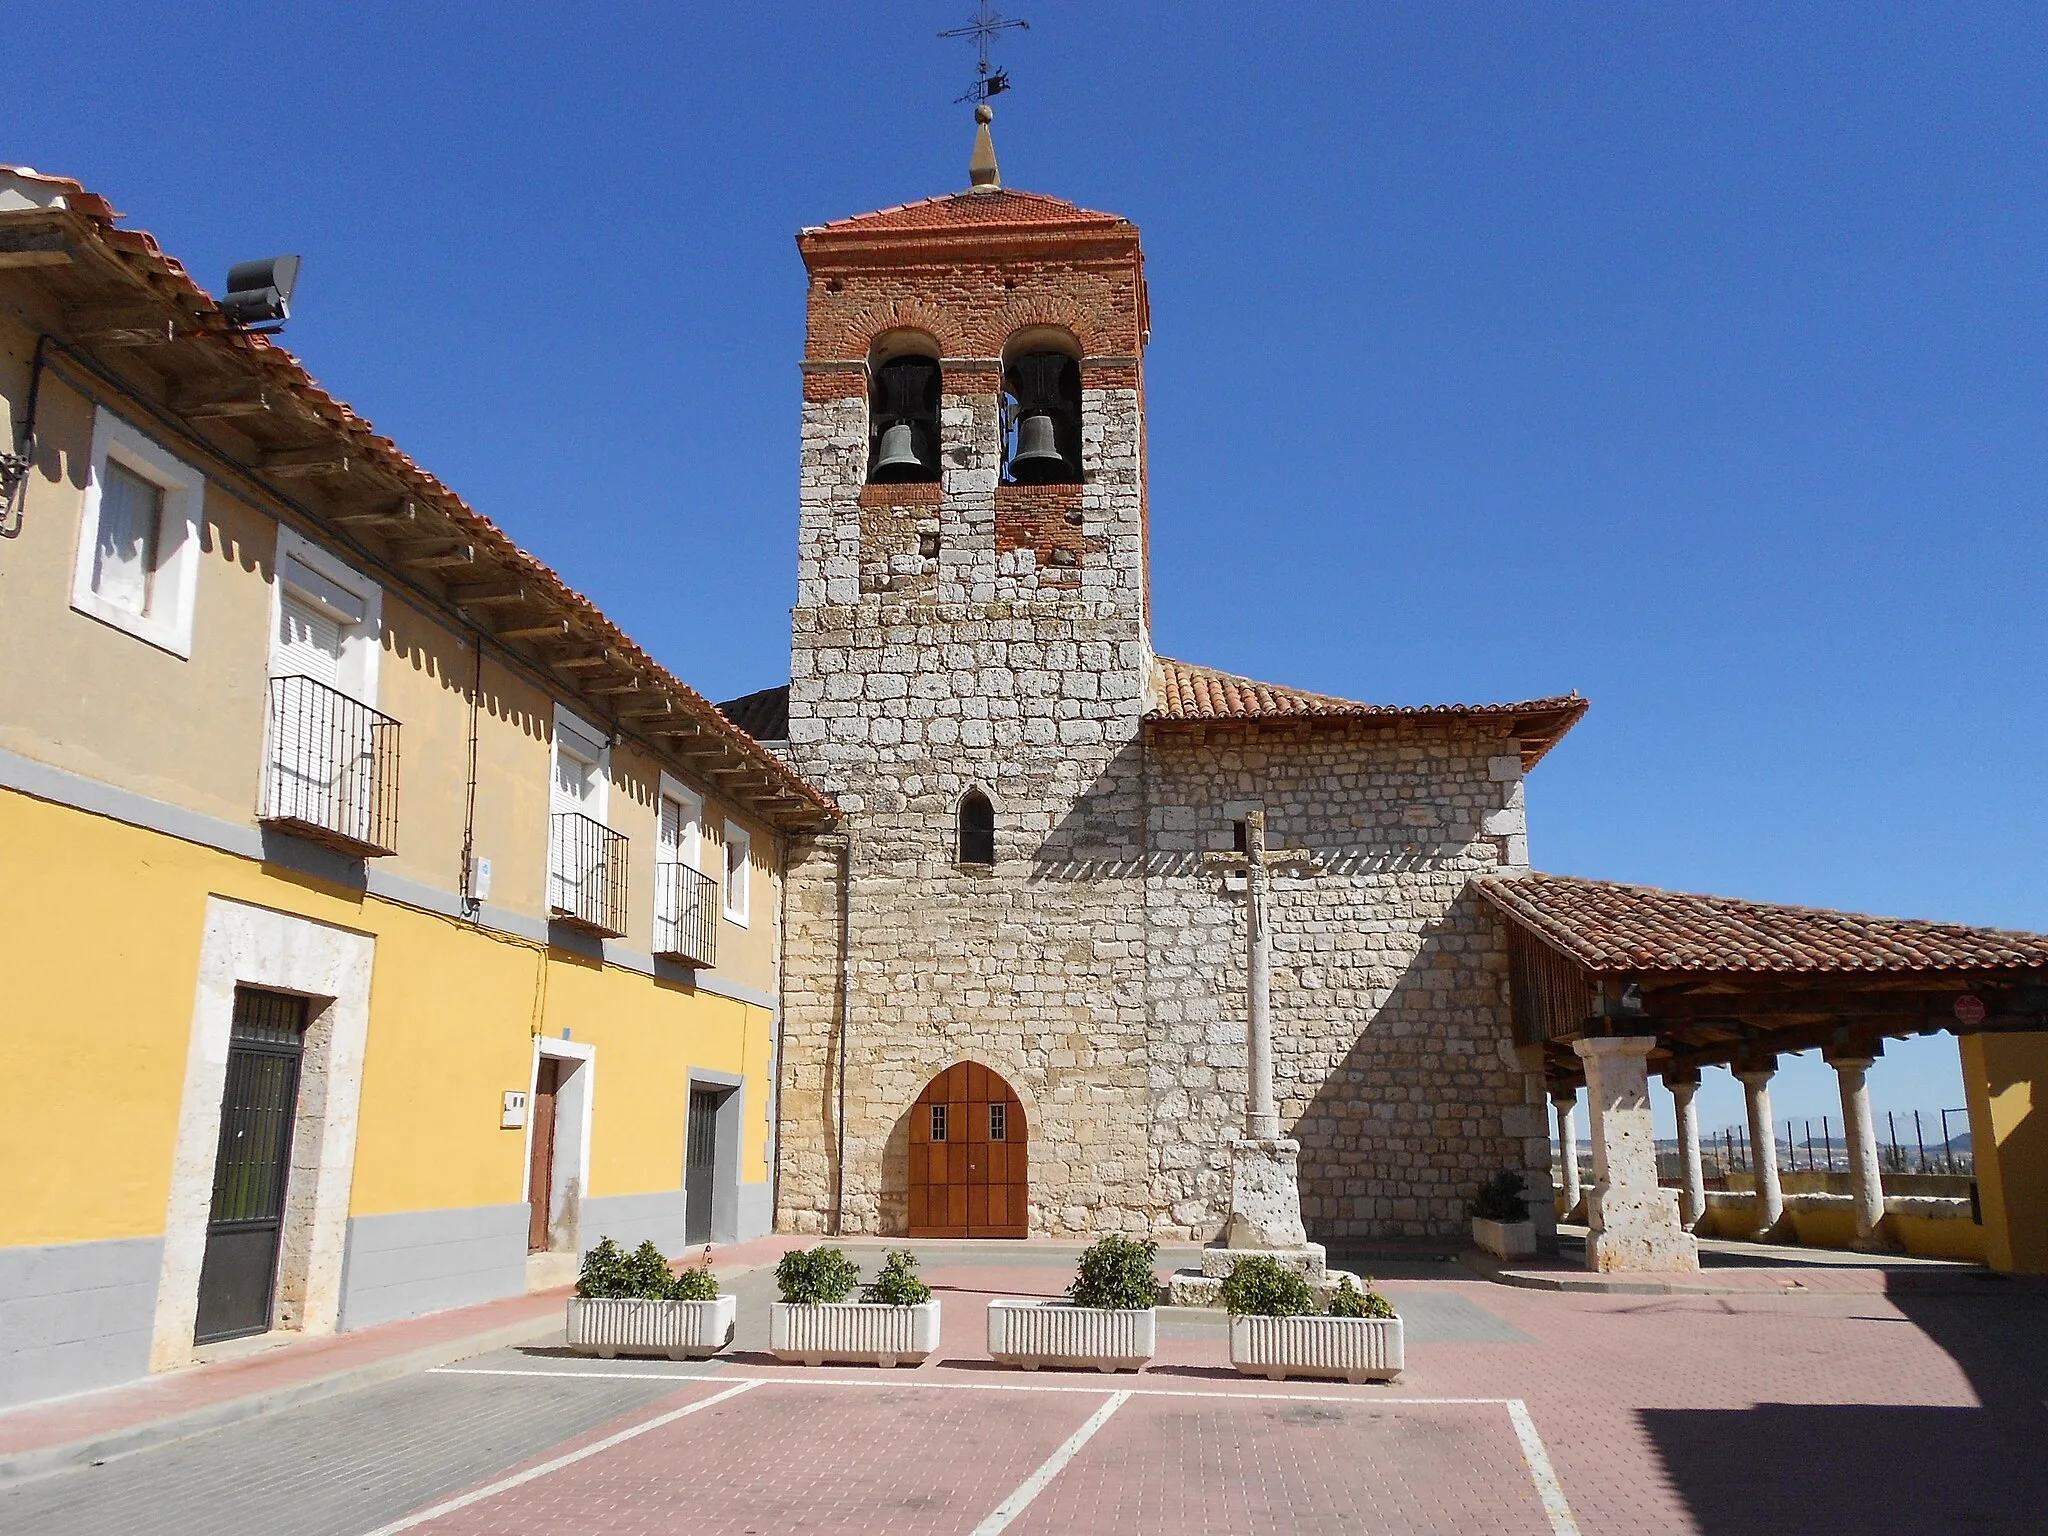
(897,459)
(1038,459)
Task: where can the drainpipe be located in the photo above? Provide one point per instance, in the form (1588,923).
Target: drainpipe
(845,1029)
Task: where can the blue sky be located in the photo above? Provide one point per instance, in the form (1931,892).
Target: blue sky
(1689,356)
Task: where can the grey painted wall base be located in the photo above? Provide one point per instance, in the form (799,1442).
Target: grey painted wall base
(75,1316)
(757,1210)
(412,1262)
(629,1220)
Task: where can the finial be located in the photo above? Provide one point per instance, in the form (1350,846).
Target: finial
(981,167)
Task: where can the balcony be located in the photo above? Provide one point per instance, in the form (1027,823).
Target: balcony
(686,916)
(330,771)
(587,874)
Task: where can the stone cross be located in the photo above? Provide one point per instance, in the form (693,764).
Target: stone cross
(1261,1120)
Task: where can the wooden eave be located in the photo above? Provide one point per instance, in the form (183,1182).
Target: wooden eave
(118,307)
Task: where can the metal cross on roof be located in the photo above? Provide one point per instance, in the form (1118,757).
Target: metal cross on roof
(984,26)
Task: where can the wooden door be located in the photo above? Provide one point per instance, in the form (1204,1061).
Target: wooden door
(540,1176)
(969,1157)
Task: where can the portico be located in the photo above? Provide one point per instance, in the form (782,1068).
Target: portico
(1614,982)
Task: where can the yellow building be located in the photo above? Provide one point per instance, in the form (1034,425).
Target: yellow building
(382,925)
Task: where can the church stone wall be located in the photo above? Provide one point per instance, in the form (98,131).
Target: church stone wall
(1393,1057)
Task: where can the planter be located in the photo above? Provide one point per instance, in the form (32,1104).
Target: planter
(1032,1333)
(1504,1239)
(607,1326)
(863,1332)
(1350,1348)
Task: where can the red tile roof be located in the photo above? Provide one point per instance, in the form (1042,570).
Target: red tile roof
(1609,927)
(998,209)
(1187,694)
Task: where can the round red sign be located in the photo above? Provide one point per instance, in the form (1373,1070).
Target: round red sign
(1969,1009)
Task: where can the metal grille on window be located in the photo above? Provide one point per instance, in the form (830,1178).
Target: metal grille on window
(998,1122)
(938,1122)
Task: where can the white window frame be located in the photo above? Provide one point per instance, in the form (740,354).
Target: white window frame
(584,740)
(673,788)
(317,578)
(176,575)
(737,836)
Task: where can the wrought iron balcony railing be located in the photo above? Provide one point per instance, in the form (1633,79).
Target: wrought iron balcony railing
(587,874)
(686,916)
(330,772)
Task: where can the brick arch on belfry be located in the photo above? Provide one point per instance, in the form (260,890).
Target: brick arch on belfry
(870,321)
(1057,310)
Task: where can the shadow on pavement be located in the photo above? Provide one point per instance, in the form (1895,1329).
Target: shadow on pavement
(1880,1469)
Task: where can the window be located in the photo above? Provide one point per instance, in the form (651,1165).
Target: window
(332,764)
(586,860)
(938,1122)
(685,902)
(138,544)
(999,1122)
(739,850)
(977,841)
(1240,837)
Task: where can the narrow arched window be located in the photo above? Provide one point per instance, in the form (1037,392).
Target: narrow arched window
(977,829)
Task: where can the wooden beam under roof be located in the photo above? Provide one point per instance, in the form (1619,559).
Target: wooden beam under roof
(319,459)
(436,557)
(34,248)
(603,658)
(119,324)
(393,515)
(554,629)
(484,593)
(209,399)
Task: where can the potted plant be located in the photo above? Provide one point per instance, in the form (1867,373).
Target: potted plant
(1500,1217)
(896,1318)
(1277,1332)
(630,1304)
(1109,1317)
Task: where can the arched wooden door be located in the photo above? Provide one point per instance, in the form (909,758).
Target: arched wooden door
(969,1157)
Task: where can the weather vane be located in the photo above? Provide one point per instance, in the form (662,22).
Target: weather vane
(984,27)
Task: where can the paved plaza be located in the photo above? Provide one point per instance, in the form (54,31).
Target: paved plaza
(1806,1410)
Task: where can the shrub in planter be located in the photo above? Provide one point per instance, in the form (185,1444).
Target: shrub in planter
(631,1304)
(1350,1301)
(1264,1287)
(1500,1217)
(896,1319)
(1116,1275)
(810,1277)
(1108,1319)
(1500,1199)
(1359,1339)
(897,1285)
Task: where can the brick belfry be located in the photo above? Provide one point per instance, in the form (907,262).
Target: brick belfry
(1013,992)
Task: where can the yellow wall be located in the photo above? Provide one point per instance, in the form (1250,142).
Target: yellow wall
(104,925)
(2005,1080)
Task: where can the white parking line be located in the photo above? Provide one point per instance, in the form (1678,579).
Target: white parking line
(478,1495)
(1049,1469)
(1549,1490)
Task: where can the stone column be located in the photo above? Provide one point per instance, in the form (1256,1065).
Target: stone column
(1692,1186)
(1261,1121)
(1566,1102)
(1859,1128)
(1763,1146)
(1632,1224)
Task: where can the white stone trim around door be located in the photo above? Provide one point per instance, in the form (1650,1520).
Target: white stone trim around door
(246,945)
(575,1099)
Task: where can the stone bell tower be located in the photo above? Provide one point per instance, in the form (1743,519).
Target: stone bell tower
(969,661)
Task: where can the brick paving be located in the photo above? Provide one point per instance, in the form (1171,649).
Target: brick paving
(1744,1413)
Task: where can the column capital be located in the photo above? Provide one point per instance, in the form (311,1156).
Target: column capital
(1676,1078)
(1756,1076)
(1564,1095)
(1855,1063)
(1614,1045)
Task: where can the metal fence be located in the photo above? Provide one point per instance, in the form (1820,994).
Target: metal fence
(1913,1141)
(331,768)
(587,874)
(686,915)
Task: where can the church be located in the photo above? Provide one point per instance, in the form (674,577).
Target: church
(1014,990)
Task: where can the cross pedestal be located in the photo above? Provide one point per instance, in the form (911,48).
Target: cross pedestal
(1265,1184)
